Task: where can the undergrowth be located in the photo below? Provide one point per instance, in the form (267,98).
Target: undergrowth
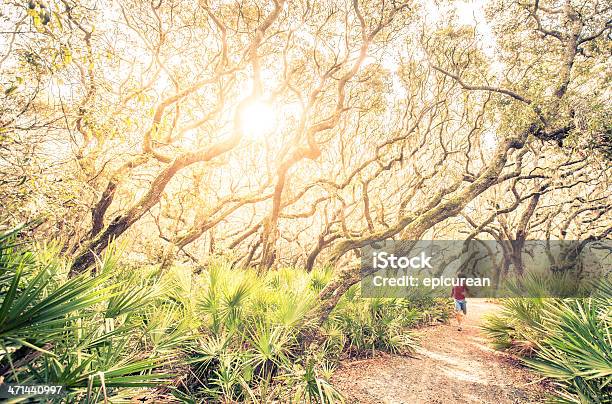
(223,335)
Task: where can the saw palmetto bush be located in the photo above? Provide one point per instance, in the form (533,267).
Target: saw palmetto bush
(577,351)
(568,341)
(77,333)
(366,325)
(249,347)
(252,347)
(224,335)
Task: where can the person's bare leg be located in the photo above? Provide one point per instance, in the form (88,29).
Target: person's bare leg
(459,317)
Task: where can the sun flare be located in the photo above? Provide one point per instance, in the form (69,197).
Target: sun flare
(257,120)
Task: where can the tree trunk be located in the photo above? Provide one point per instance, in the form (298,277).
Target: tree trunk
(86,256)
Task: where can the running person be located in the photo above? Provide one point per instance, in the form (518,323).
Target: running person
(458,293)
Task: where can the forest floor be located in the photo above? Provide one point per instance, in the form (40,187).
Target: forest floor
(450,366)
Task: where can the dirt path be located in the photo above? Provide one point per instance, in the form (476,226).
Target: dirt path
(449,367)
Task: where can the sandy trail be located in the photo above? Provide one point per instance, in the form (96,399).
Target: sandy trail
(449,367)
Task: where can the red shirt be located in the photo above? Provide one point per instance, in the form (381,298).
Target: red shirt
(458,292)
